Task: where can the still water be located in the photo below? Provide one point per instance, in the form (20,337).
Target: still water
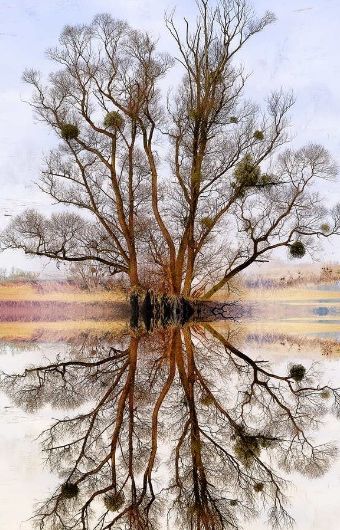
(214,425)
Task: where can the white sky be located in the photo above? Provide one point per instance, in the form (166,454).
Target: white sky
(299,52)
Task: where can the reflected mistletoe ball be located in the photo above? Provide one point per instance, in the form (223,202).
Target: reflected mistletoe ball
(297,372)
(69,490)
(246,449)
(258,487)
(113,502)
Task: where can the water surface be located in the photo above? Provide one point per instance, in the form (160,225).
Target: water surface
(200,427)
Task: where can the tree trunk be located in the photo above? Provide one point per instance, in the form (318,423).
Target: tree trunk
(152,310)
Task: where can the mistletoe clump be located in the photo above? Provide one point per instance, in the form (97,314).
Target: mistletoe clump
(113,120)
(207,400)
(325,228)
(258,135)
(266,179)
(297,249)
(247,172)
(69,131)
(326,394)
(207,222)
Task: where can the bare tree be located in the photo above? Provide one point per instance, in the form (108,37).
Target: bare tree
(219,194)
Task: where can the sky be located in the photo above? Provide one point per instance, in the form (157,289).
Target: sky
(299,52)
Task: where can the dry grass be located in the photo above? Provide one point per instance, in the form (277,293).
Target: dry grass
(295,327)
(56,293)
(289,295)
(45,331)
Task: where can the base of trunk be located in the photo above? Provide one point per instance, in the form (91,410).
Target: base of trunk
(153,310)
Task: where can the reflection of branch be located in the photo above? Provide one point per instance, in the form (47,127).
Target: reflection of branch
(173,345)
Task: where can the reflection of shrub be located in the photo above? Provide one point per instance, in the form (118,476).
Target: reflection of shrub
(207,222)
(246,449)
(113,120)
(297,372)
(69,131)
(258,487)
(297,249)
(266,442)
(196,446)
(114,502)
(266,179)
(207,400)
(69,490)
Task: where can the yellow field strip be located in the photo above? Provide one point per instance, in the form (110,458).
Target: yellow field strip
(23,292)
(289,294)
(27,330)
(303,327)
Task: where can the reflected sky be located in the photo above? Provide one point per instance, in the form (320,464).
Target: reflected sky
(211,426)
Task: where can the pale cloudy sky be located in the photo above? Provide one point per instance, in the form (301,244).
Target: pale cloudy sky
(299,52)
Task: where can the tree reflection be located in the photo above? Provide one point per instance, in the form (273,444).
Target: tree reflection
(179,428)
